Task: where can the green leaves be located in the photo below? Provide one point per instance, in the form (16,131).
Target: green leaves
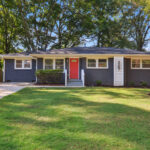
(8,28)
(41,25)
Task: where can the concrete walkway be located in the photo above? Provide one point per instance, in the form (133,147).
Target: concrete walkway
(10,88)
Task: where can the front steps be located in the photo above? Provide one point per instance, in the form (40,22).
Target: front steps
(74,83)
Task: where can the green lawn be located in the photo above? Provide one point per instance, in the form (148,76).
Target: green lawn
(76,119)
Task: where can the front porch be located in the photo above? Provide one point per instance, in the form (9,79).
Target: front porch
(73,73)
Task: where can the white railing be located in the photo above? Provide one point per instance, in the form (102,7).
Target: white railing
(83,77)
(65,71)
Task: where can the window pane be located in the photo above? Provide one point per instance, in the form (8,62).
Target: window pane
(59,64)
(136,63)
(119,66)
(91,63)
(102,63)
(48,64)
(27,63)
(146,63)
(18,63)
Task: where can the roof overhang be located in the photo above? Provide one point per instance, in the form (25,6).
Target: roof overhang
(33,56)
(90,55)
(17,57)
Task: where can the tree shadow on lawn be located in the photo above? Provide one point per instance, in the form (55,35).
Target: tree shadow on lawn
(82,130)
(117,92)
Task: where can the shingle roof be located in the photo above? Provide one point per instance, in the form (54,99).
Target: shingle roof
(90,50)
(82,50)
(18,54)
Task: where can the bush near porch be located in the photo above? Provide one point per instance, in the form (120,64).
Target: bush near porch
(50,76)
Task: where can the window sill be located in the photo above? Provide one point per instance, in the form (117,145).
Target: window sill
(23,69)
(97,68)
(140,68)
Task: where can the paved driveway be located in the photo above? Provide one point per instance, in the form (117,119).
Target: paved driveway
(9,88)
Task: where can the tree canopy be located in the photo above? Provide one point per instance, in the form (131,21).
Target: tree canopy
(31,25)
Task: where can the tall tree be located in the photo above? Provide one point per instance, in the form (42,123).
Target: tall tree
(137,22)
(8,27)
(107,29)
(71,23)
(38,19)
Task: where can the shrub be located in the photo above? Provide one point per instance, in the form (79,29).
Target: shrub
(49,76)
(98,83)
(131,84)
(142,83)
(1,64)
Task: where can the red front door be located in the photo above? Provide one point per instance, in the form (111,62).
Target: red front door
(74,68)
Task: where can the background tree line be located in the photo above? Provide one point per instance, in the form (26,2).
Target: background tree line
(33,25)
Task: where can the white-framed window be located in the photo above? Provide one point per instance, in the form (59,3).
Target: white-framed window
(140,64)
(48,63)
(136,63)
(59,64)
(146,64)
(54,63)
(100,63)
(91,63)
(23,64)
(19,64)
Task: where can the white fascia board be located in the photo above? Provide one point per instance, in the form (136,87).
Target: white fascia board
(89,55)
(18,57)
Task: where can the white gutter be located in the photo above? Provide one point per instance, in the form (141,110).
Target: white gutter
(87,55)
(9,57)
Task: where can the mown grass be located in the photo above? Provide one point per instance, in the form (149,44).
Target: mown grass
(76,119)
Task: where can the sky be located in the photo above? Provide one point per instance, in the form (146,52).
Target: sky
(148,47)
(91,43)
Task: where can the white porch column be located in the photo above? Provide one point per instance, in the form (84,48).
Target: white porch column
(3,70)
(118,71)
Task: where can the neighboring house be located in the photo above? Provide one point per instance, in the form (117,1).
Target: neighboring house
(82,66)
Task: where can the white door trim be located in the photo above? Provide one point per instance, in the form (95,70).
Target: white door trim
(118,73)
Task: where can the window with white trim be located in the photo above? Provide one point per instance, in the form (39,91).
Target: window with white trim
(92,63)
(146,64)
(19,64)
(101,63)
(27,64)
(22,64)
(140,64)
(136,63)
(59,64)
(54,64)
(48,63)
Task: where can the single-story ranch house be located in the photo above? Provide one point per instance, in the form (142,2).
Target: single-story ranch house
(82,66)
